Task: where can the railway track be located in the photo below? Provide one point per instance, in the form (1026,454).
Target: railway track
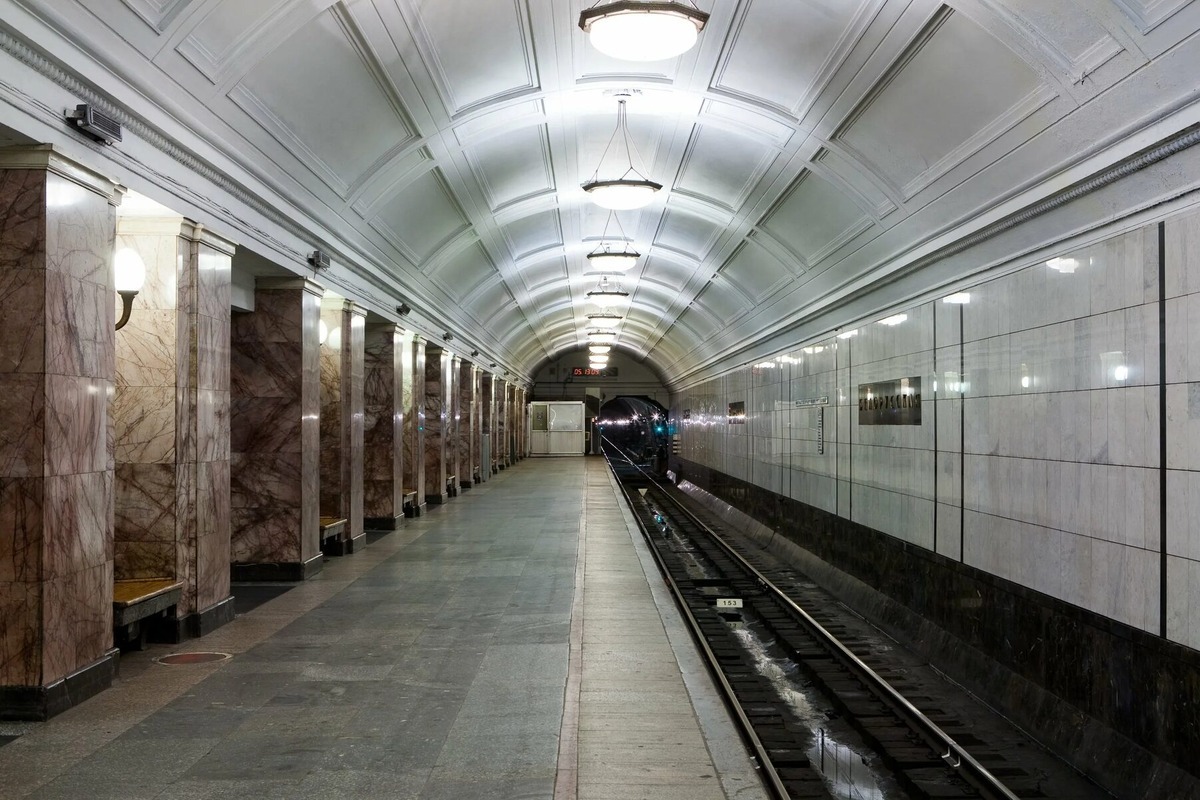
(820,721)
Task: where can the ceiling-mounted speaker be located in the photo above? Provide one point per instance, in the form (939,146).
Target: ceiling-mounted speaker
(404,309)
(447,336)
(95,124)
(474,353)
(319,260)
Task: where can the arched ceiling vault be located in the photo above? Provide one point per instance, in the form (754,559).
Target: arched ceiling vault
(437,147)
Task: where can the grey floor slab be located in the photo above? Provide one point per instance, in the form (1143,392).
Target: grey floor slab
(430,665)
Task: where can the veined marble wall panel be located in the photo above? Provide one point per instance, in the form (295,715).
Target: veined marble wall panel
(455,465)
(275,433)
(413,363)
(384,417)
(56,469)
(332,489)
(500,435)
(477,424)
(341,456)
(467,460)
(487,384)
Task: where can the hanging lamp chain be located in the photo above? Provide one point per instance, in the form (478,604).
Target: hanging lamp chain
(631,150)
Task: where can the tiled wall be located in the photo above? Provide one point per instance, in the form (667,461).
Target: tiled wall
(1037,456)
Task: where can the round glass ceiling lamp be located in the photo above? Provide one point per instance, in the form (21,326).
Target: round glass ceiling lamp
(643,31)
(626,187)
(601,337)
(604,320)
(597,364)
(606,260)
(599,349)
(607,294)
(622,194)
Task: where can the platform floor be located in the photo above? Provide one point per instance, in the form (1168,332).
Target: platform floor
(506,645)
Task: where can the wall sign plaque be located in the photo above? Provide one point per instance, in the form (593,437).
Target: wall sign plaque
(896,402)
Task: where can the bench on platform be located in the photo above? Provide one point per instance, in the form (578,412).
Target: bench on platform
(476,474)
(333,536)
(410,503)
(138,605)
(451,486)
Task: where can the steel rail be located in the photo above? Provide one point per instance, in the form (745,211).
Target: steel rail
(954,755)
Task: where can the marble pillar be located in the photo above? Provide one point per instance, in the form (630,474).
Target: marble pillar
(437,405)
(413,365)
(473,424)
(500,453)
(275,433)
(57,362)
(456,468)
(522,423)
(384,417)
(342,366)
(171,421)
(487,411)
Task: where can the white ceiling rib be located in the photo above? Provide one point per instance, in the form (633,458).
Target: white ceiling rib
(805,144)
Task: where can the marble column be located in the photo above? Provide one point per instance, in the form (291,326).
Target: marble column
(384,417)
(511,423)
(171,421)
(275,432)
(487,409)
(473,424)
(57,363)
(437,405)
(413,364)
(342,365)
(500,452)
(455,465)
(522,423)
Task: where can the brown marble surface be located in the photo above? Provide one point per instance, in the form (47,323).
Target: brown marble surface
(383,421)
(57,360)
(414,420)
(437,374)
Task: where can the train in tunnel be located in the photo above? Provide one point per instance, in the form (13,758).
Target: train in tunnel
(636,428)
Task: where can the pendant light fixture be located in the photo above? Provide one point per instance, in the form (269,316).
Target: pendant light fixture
(605,319)
(632,30)
(599,349)
(606,259)
(601,337)
(607,294)
(628,189)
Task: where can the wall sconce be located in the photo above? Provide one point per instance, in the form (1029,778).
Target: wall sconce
(129,275)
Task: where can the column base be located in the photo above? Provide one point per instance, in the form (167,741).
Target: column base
(193,626)
(357,544)
(383,523)
(436,499)
(278,571)
(39,703)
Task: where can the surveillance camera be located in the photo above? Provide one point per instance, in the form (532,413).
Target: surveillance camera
(403,309)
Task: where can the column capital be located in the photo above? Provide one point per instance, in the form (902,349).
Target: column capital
(197,232)
(290,282)
(51,159)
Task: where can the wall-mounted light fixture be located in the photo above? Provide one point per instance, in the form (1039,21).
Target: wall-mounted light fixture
(129,275)
(629,188)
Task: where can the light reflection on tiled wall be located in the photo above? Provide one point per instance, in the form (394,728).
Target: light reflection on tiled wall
(1037,458)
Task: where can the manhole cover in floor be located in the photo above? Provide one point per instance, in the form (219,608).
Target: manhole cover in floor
(192,658)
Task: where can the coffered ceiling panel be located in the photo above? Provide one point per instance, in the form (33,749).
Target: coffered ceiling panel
(814,218)
(421,218)
(462,272)
(785,70)
(321,100)
(757,273)
(533,234)
(436,148)
(474,54)
(929,113)
(722,166)
(513,167)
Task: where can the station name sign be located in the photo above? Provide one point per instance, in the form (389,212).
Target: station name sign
(895,402)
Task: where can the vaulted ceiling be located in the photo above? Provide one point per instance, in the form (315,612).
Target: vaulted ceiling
(808,147)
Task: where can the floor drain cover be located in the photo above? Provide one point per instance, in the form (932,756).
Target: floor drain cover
(192,658)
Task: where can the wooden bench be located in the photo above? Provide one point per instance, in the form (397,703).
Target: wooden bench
(333,536)
(410,503)
(138,605)
(476,474)
(451,486)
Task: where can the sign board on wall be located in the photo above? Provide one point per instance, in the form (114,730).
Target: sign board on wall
(895,402)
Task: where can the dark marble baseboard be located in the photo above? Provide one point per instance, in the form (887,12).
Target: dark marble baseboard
(1119,703)
(193,626)
(356,544)
(278,571)
(383,523)
(39,703)
(436,499)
